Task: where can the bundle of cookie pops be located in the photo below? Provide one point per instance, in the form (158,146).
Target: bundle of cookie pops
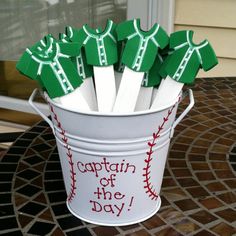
(120,69)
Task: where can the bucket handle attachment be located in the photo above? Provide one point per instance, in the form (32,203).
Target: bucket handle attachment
(32,104)
(189,92)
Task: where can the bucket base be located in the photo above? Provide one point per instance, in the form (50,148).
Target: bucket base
(116,223)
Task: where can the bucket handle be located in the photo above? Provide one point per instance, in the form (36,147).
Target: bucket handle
(32,104)
(189,92)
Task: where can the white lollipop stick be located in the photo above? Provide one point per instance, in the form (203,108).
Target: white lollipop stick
(88,92)
(154,93)
(144,99)
(128,91)
(167,92)
(118,76)
(105,86)
(74,101)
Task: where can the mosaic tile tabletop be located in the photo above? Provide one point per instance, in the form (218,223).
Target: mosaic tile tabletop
(199,186)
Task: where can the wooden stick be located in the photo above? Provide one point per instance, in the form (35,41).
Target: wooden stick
(156,90)
(144,99)
(74,101)
(118,76)
(154,93)
(128,91)
(167,93)
(88,91)
(105,86)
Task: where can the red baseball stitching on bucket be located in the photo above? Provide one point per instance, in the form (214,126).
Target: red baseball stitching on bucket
(148,185)
(69,155)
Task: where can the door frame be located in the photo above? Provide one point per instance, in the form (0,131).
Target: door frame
(152,11)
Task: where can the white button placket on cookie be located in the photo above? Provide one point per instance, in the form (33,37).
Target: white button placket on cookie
(61,76)
(183,64)
(140,54)
(104,76)
(101,51)
(80,66)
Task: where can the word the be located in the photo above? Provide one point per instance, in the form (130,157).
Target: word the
(108,195)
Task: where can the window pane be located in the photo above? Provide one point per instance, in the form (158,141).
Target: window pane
(24,22)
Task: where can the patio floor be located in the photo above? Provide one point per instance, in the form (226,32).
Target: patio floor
(199,187)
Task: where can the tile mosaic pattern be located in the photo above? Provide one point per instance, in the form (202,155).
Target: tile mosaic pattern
(199,186)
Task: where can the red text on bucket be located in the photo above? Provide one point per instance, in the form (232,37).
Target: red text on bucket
(106,197)
(105,165)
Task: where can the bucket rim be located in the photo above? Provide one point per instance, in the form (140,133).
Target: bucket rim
(118,153)
(111,114)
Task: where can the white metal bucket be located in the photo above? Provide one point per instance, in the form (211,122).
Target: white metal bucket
(113,165)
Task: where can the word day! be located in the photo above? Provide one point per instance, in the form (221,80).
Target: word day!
(116,209)
(106,197)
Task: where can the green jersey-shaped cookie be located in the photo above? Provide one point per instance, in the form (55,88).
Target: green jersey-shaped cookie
(100,47)
(84,70)
(38,47)
(141,47)
(52,66)
(186,58)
